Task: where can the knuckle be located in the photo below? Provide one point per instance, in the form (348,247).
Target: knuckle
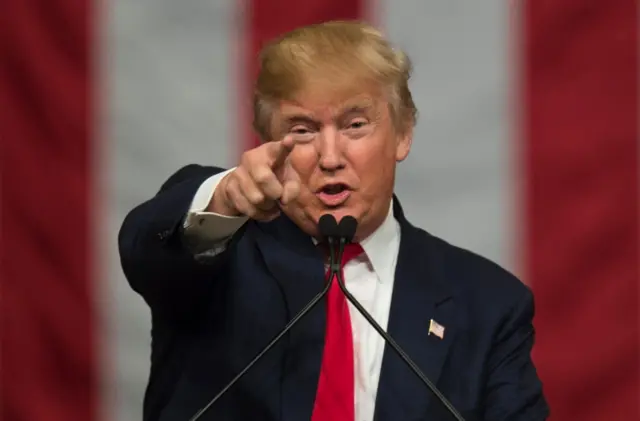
(231,187)
(277,191)
(246,206)
(255,196)
(262,175)
(238,176)
(234,196)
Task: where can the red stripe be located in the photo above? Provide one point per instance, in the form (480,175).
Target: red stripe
(47,358)
(582,203)
(269,19)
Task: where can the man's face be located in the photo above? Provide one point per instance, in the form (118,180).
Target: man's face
(346,152)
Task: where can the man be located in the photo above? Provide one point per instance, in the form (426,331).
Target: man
(226,258)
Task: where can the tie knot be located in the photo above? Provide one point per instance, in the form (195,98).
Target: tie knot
(351,251)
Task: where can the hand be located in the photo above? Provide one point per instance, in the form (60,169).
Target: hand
(263,178)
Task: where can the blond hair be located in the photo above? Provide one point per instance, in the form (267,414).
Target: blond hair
(339,52)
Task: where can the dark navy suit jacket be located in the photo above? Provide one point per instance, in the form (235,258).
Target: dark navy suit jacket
(210,317)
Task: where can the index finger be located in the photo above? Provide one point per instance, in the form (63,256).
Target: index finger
(279,150)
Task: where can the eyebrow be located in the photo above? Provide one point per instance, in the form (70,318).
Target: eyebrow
(356,109)
(357,106)
(301,117)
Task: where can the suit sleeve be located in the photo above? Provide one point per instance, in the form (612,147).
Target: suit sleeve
(514,391)
(206,233)
(156,259)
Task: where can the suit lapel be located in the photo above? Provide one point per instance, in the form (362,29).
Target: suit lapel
(420,294)
(297,266)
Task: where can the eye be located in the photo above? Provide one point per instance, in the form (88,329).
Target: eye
(300,130)
(357,124)
(302,134)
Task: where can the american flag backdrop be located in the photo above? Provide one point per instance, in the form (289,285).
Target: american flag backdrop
(526,151)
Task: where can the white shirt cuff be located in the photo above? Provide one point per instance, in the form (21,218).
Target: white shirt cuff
(210,226)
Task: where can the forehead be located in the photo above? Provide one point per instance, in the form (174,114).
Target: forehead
(328,103)
(323,108)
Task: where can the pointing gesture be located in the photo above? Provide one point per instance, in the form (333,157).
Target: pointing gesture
(279,151)
(262,179)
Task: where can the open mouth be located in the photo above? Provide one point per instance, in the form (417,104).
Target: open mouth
(333,195)
(332,189)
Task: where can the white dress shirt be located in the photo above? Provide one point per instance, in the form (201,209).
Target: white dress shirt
(369,278)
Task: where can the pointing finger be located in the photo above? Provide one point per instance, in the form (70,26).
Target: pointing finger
(267,181)
(291,185)
(279,150)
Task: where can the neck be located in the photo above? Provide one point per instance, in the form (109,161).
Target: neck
(373,224)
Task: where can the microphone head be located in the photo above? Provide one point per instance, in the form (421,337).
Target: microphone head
(328,226)
(347,228)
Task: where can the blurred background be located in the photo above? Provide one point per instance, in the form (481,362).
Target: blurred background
(526,152)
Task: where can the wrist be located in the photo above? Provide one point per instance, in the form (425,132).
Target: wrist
(220,203)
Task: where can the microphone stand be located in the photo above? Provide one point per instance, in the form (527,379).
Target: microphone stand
(336,236)
(387,338)
(334,271)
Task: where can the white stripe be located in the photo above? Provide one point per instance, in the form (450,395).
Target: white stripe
(455,183)
(169,101)
(166,72)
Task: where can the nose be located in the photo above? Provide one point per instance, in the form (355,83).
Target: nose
(329,152)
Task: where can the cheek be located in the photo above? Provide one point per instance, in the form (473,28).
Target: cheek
(303,161)
(375,171)
(373,158)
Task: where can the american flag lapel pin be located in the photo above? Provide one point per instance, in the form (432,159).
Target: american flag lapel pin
(436,328)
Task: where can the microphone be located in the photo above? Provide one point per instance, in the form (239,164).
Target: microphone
(345,232)
(328,227)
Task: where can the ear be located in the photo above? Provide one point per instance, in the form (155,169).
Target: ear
(403,144)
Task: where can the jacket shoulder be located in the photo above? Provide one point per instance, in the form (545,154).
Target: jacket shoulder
(470,273)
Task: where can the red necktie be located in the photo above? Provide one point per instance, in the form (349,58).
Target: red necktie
(335,396)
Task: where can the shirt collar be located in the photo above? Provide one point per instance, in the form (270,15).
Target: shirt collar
(382,245)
